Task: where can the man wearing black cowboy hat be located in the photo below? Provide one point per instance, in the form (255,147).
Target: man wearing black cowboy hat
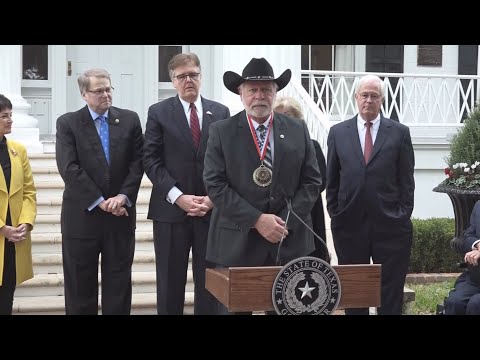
(256,162)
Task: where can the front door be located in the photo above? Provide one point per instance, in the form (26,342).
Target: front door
(123,62)
(386,59)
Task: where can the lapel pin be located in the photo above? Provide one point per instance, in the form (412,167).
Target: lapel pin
(14,153)
(209,113)
(282,136)
(117,121)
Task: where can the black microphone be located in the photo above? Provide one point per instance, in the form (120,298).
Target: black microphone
(277,261)
(290,211)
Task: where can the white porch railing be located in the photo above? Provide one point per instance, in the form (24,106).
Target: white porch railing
(413,99)
(317,123)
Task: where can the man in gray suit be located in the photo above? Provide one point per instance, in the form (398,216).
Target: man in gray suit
(99,155)
(370,189)
(257,161)
(175,141)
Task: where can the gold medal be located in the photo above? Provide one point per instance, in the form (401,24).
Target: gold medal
(262,176)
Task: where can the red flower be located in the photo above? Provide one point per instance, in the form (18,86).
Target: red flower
(447,171)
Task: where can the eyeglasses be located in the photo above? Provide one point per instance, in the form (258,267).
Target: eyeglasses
(183,77)
(99,92)
(365,96)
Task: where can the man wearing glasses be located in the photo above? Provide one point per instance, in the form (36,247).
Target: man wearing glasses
(175,141)
(99,153)
(370,189)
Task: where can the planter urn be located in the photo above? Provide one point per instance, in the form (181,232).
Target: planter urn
(463,201)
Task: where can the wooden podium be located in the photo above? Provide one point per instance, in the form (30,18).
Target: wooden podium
(250,288)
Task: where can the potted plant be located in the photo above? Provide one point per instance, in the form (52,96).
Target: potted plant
(462,184)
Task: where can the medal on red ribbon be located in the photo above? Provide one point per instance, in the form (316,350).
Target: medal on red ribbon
(262,176)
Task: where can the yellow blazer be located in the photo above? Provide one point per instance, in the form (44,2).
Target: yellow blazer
(23,208)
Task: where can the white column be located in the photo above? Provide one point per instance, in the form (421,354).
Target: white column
(58,77)
(150,80)
(236,57)
(25,127)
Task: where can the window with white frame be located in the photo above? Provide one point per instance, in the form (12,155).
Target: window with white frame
(35,62)
(165,54)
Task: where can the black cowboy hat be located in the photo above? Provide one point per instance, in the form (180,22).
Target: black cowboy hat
(256,70)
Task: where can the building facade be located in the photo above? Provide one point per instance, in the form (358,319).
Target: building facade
(42,82)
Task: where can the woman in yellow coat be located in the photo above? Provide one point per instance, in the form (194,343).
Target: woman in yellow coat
(18,209)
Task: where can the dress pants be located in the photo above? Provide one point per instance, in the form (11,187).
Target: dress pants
(80,267)
(9,279)
(173,242)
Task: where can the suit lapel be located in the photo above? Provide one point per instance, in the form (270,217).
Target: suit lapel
(16,180)
(114,131)
(245,136)
(181,122)
(88,126)
(3,183)
(279,128)
(207,120)
(354,140)
(382,134)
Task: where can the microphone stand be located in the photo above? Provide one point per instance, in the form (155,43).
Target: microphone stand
(290,210)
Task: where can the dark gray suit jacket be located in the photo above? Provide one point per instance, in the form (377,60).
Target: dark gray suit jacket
(87,175)
(170,157)
(472,233)
(230,161)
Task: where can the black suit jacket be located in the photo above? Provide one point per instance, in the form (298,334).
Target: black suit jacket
(230,161)
(384,188)
(318,215)
(170,157)
(87,175)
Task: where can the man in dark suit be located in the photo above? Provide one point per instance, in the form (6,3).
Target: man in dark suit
(370,187)
(99,155)
(175,141)
(464,299)
(255,162)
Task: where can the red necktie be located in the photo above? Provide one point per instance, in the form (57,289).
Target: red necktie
(194,125)
(368,142)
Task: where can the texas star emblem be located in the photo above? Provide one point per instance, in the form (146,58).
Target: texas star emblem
(306,286)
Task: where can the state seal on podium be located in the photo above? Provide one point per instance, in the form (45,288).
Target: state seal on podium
(306,286)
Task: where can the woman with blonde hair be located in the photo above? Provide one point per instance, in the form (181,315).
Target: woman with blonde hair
(18,209)
(289,106)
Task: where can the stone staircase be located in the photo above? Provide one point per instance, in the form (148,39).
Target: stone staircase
(44,293)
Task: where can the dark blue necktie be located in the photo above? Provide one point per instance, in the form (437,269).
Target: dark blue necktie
(261,139)
(104,136)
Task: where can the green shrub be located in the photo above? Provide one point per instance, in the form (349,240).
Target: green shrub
(431,251)
(463,169)
(465,145)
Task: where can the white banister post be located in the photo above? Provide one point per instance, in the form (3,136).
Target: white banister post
(25,127)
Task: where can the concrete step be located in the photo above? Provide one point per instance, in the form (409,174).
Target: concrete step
(50,263)
(52,205)
(55,188)
(142,304)
(45,173)
(53,285)
(50,223)
(48,147)
(51,243)
(45,160)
